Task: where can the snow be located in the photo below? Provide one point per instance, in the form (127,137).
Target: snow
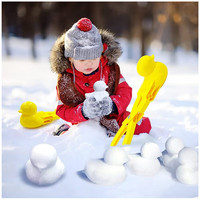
(174,112)
(115,156)
(44,176)
(145,164)
(150,150)
(187,174)
(187,156)
(187,171)
(174,145)
(43,155)
(169,157)
(102,173)
(44,166)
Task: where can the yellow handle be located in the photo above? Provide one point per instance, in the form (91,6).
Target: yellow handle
(155,74)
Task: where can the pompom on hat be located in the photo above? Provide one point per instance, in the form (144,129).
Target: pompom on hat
(83,41)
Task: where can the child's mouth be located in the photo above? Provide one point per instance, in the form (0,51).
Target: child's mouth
(89,69)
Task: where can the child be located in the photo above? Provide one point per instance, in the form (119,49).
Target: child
(82,56)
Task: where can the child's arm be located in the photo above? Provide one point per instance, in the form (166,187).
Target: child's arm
(70,114)
(123,95)
(89,109)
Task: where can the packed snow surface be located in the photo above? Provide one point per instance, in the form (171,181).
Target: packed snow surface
(174,112)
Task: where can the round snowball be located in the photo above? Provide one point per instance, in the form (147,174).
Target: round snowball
(187,156)
(174,145)
(115,156)
(43,156)
(150,150)
(100,86)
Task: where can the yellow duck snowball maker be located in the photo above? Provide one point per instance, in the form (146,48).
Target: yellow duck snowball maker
(30,118)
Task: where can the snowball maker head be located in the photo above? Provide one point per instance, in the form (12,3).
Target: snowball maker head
(28,108)
(100,86)
(145,65)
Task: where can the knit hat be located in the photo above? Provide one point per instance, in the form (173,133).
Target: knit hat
(83,41)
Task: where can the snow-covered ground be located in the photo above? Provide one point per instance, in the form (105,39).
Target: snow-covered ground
(174,112)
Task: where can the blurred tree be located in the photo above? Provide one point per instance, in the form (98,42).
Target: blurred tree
(171,24)
(176,24)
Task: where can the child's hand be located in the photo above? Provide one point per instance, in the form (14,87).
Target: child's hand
(106,106)
(91,108)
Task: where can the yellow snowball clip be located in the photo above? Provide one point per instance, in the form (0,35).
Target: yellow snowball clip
(155,74)
(30,118)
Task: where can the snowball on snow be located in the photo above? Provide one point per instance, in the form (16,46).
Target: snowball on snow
(187,156)
(150,150)
(173,145)
(101,173)
(44,167)
(45,176)
(43,156)
(115,156)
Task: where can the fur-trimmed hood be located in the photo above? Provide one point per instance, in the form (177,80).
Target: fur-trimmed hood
(59,63)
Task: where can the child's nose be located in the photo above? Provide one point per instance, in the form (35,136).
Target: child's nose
(90,61)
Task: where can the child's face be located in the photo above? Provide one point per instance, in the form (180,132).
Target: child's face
(86,66)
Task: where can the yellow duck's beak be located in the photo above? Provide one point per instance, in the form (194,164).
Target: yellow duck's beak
(20,111)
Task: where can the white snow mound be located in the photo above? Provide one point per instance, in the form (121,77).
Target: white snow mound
(101,173)
(44,167)
(187,171)
(148,165)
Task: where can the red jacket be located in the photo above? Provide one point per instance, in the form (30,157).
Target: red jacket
(84,84)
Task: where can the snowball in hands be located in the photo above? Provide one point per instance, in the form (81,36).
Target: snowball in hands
(147,163)
(44,166)
(99,91)
(97,103)
(187,171)
(111,170)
